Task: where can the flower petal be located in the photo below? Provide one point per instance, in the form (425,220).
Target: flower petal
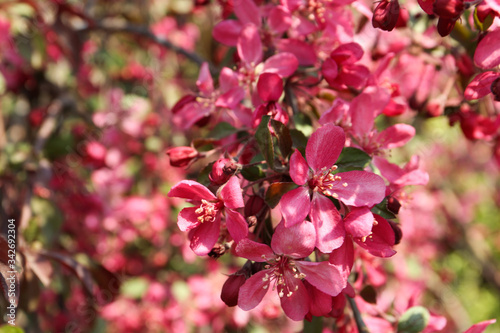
(204,237)
(480,85)
(188,219)
(487,53)
(295,205)
(323,275)
(231,194)
(328,224)
(247,12)
(297,241)
(254,251)
(227,32)
(343,258)
(325,146)
(321,303)
(297,305)
(381,240)
(270,87)
(359,222)
(480,327)
(395,136)
(236,225)
(284,64)
(299,169)
(363,188)
(249,45)
(252,291)
(189,189)
(205,83)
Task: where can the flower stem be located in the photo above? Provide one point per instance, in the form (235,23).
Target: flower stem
(357,316)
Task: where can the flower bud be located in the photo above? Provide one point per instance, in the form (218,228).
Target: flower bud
(449,9)
(222,170)
(495,89)
(386,14)
(445,26)
(231,289)
(182,156)
(398,233)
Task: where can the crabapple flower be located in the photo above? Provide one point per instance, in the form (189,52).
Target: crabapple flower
(386,14)
(269,88)
(204,220)
(318,183)
(285,269)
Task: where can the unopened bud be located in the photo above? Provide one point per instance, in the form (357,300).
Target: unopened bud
(386,14)
(182,156)
(231,289)
(222,170)
(393,205)
(445,26)
(449,9)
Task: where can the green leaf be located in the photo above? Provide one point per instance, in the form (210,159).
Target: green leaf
(276,191)
(253,173)
(414,320)
(10,329)
(265,141)
(382,210)
(204,173)
(283,137)
(352,159)
(221,130)
(298,138)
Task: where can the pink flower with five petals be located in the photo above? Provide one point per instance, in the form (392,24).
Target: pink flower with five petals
(317,183)
(285,269)
(204,220)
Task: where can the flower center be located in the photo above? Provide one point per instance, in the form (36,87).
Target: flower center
(283,273)
(324,181)
(207,212)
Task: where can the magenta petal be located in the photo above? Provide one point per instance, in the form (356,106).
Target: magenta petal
(270,87)
(254,251)
(389,171)
(236,225)
(249,45)
(321,303)
(189,189)
(227,32)
(297,305)
(324,147)
(359,222)
(252,291)
(247,12)
(396,136)
(480,85)
(487,53)
(363,188)
(297,241)
(380,241)
(299,170)
(279,19)
(347,53)
(188,219)
(231,194)
(231,98)
(480,327)
(284,64)
(228,79)
(303,51)
(343,257)
(323,275)
(295,205)
(330,70)
(327,221)
(204,237)
(205,83)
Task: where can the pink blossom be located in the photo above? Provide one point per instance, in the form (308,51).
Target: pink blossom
(487,53)
(285,270)
(204,220)
(480,327)
(355,188)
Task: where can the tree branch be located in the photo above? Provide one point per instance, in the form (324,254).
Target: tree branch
(357,316)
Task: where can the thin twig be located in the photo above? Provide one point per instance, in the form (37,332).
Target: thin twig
(357,316)
(146,32)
